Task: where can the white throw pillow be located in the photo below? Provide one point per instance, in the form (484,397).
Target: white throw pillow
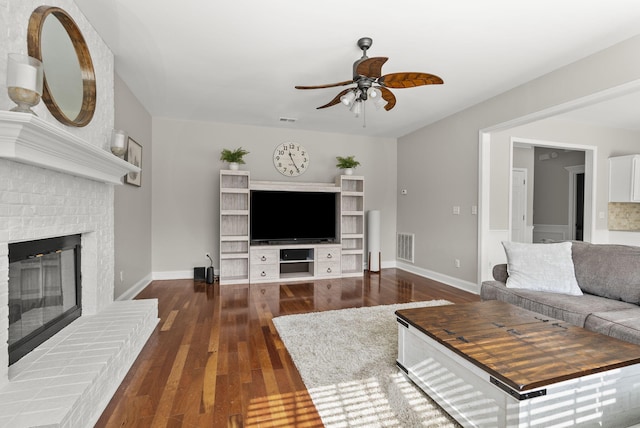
(541,267)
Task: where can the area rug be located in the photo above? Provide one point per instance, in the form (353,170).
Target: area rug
(347,361)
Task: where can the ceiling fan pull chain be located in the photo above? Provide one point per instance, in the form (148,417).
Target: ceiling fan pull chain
(364,114)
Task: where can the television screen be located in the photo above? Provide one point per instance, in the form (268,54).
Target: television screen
(292,217)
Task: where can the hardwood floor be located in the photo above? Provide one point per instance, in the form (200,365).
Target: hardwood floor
(215,359)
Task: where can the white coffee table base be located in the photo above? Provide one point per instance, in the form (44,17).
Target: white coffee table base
(475,399)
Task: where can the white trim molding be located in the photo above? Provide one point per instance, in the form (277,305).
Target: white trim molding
(135,289)
(445,279)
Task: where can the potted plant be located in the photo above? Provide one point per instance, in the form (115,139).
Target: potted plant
(347,163)
(233,157)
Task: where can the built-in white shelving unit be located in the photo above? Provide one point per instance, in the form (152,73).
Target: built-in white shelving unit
(294,262)
(241,262)
(234,227)
(351,223)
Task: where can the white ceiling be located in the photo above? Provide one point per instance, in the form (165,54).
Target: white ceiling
(238,61)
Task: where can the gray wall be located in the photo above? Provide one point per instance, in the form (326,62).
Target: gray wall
(185,223)
(443,158)
(551,188)
(133,204)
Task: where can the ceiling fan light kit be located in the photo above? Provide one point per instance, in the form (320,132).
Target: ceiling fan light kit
(372,84)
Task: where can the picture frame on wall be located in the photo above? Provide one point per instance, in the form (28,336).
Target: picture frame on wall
(134,157)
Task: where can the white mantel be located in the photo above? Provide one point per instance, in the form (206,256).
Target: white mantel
(28,139)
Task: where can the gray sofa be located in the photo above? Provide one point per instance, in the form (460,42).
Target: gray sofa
(609,277)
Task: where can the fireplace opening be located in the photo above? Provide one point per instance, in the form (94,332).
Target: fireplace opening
(44,291)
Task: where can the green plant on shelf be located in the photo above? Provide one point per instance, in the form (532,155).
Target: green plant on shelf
(347,162)
(233,156)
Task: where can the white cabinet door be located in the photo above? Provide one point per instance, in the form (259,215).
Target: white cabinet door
(624,179)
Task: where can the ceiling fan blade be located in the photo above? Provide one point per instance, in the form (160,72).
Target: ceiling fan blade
(371,67)
(329,85)
(409,80)
(388,96)
(334,101)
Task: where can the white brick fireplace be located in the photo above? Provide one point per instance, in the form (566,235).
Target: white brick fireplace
(57,180)
(53,183)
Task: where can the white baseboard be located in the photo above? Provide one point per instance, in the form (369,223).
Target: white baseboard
(137,288)
(176,274)
(445,279)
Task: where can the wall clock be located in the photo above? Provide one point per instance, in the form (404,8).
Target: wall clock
(291,159)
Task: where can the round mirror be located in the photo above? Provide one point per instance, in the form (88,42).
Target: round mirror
(69,79)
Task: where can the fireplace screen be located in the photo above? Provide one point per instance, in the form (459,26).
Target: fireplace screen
(44,291)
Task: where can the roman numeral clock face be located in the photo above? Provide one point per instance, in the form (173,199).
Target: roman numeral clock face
(291,159)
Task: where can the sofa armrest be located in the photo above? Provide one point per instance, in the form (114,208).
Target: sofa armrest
(489,290)
(500,273)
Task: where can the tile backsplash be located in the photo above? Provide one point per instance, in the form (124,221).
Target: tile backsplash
(624,216)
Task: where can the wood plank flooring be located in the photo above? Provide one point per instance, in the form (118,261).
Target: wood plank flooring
(215,359)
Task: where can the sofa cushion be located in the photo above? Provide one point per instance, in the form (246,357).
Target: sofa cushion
(608,270)
(541,267)
(572,309)
(623,325)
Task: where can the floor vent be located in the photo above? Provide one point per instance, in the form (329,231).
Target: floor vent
(405,247)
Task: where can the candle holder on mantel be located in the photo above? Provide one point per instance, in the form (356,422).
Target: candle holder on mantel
(24,82)
(118,142)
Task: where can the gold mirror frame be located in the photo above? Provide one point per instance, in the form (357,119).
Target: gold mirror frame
(34,46)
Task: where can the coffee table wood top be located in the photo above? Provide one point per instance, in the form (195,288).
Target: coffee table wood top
(523,349)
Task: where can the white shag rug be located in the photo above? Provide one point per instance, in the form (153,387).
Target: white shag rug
(347,360)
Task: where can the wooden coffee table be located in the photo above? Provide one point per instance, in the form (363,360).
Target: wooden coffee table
(496,365)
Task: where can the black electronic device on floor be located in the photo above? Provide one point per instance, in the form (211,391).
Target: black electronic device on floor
(210,273)
(199,274)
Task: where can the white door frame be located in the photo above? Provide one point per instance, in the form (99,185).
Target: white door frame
(524,209)
(489,246)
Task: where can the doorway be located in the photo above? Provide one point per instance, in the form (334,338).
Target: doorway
(557,194)
(490,249)
(576,201)
(579,220)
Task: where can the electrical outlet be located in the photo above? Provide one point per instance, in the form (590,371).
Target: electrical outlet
(457,263)
(121,276)
(206,255)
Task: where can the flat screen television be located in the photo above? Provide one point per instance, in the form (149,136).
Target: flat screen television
(281,217)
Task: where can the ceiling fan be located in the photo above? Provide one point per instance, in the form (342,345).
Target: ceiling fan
(372,84)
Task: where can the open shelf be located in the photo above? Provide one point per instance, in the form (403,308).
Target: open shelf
(352,223)
(234,227)
(297,269)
